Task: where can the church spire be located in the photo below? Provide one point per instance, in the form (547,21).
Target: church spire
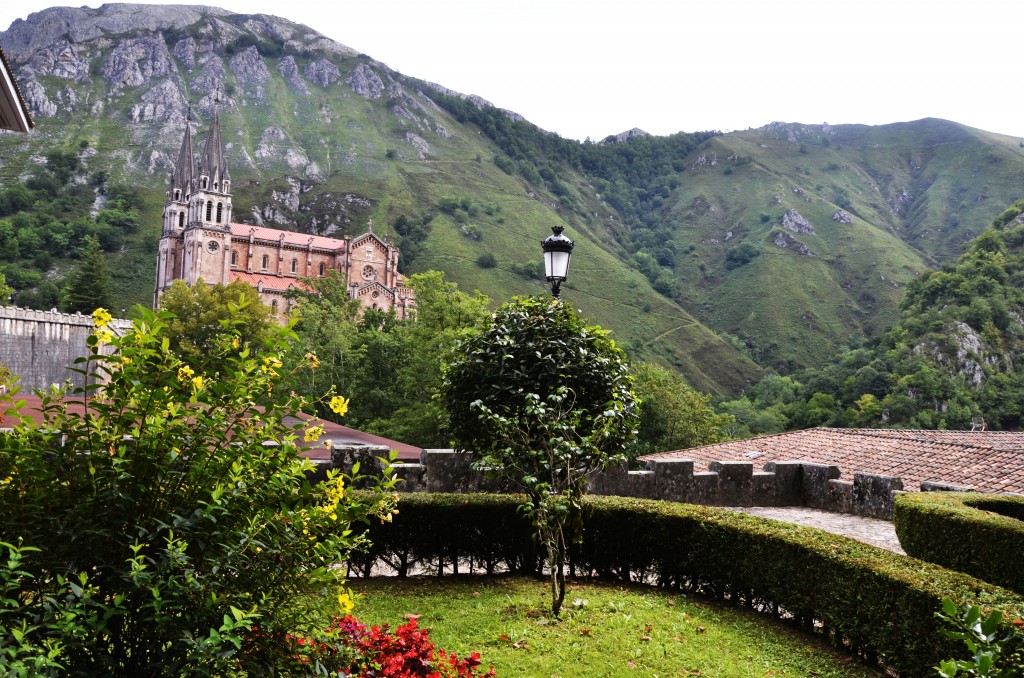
(181,180)
(211,164)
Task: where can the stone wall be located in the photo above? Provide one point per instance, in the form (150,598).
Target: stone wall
(38,346)
(729,483)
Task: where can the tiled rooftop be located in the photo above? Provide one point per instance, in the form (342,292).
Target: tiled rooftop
(988,461)
(290,237)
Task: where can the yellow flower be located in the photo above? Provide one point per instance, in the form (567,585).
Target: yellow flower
(235,343)
(100,318)
(197,382)
(185,373)
(314,362)
(339,405)
(313,433)
(126,361)
(345,603)
(104,336)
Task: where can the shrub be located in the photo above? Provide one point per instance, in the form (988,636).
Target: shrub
(160,516)
(980,534)
(544,400)
(486,260)
(876,602)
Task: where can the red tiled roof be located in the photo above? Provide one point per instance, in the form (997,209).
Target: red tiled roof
(314,450)
(271,282)
(988,461)
(290,237)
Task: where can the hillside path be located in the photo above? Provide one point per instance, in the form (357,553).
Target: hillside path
(880,533)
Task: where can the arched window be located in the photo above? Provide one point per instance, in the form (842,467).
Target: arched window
(181,219)
(234,257)
(204,182)
(209,210)
(321,269)
(177,194)
(295,265)
(266,261)
(273,306)
(220,211)
(215,185)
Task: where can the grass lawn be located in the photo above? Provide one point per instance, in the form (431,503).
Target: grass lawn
(605,629)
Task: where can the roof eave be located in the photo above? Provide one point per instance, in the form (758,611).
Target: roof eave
(14,114)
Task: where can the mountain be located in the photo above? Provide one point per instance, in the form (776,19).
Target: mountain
(715,254)
(825,226)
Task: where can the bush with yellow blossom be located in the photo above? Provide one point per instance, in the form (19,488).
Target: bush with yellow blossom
(160,520)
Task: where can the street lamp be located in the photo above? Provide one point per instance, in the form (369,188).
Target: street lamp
(557,250)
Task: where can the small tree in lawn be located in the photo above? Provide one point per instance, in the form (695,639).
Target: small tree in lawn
(543,399)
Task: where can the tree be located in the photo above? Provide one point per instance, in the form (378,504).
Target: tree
(88,286)
(185,538)
(673,416)
(201,313)
(5,290)
(545,400)
(389,368)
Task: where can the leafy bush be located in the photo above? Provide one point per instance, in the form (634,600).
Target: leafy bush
(159,516)
(980,534)
(876,602)
(486,260)
(995,653)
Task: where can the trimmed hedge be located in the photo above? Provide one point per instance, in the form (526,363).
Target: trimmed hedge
(878,603)
(980,534)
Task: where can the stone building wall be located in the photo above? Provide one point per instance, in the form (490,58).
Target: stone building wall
(38,346)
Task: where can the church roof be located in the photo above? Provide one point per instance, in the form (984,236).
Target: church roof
(241,231)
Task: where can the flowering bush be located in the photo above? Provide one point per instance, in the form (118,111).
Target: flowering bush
(352,649)
(161,513)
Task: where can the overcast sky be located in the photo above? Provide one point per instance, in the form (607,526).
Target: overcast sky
(584,68)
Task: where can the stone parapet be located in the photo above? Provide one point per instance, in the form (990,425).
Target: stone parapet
(727,483)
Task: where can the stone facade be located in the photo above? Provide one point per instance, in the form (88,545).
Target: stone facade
(39,346)
(200,242)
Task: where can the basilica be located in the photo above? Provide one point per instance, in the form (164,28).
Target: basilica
(200,242)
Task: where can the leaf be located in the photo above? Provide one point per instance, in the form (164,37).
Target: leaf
(504,638)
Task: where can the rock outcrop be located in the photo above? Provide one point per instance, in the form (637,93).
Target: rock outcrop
(290,72)
(793,221)
(366,83)
(137,61)
(322,72)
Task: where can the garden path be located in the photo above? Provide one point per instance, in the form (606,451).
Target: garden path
(872,531)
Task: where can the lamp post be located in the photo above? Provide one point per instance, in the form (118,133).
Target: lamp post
(557,250)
